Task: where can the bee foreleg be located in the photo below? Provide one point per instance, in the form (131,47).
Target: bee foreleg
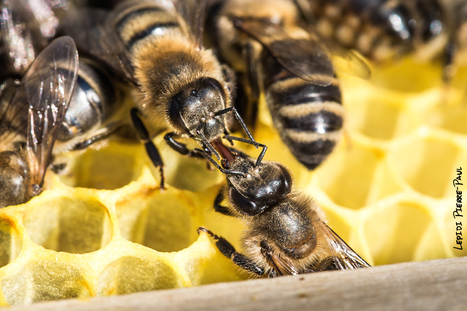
(229,77)
(101,135)
(251,142)
(151,149)
(181,147)
(253,82)
(239,119)
(223,171)
(229,251)
(218,207)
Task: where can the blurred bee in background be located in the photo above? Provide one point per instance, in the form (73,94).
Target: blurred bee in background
(265,43)
(29,124)
(385,30)
(157,46)
(380,30)
(286,233)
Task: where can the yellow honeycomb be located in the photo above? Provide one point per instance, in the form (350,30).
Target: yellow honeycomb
(103,227)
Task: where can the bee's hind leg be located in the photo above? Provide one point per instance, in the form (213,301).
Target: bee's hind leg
(229,251)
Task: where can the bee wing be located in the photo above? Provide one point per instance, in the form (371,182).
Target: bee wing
(304,58)
(193,13)
(349,63)
(343,256)
(282,265)
(94,34)
(47,88)
(17,39)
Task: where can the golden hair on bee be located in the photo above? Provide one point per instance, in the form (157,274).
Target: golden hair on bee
(166,66)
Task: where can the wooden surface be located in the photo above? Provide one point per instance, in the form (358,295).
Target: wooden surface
(429,285)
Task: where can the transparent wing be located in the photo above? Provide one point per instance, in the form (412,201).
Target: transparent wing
(344,60)
(193,12)
(341,255)
(305,58)
(13,118)
(46,91)
(282,265)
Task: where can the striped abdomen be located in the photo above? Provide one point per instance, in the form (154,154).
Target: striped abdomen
(379,29)
(136,23)
(308,117)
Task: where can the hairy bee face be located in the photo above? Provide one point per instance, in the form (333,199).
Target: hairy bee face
(193,108)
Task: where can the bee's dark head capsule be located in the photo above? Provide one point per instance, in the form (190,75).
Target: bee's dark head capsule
(196,104)
(262,189)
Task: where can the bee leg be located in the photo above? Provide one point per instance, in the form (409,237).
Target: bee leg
(101,135)
(181,147)
(229,251)
(449,67)
(251,57)
(217,204)
(251,142)
(151,149)
(449,71)
(239,119)
(229,78)
(222,170)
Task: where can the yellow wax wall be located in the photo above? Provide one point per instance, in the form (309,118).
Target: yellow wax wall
(387,190)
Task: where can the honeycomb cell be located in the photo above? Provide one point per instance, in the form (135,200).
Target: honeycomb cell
(112,165)
(338,224)
(450,117)
(164,221)
(42,280)
(379,117)
(130,274)
(407,75)
(187,174)
(347,177)
(394,232)
(69,224)
(10,242)
(426,164)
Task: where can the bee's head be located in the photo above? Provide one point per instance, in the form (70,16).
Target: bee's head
(260,189)
(194,108)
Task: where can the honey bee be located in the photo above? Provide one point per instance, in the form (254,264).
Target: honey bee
(386,30)
(157,45)
(380,30)
(29,123)
(286,232)
(95,100)
(264,41)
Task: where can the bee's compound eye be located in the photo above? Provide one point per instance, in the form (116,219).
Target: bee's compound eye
(244,205)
